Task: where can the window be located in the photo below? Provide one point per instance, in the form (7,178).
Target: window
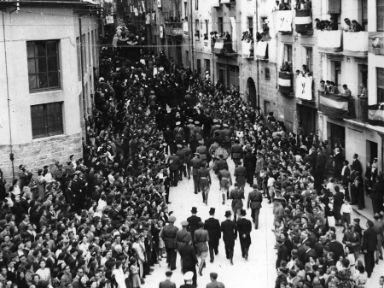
(288,53)
(196,4)
(206,30)
(250,25)
(380,84)
(47,119)
(336,72)
(267,73)
(380,15)
(197,26)
(43,65)
(309,58)
(220,28)
(364,14)
(185,10)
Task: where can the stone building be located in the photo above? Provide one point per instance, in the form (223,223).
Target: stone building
(47,58)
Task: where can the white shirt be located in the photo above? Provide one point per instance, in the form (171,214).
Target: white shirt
(346,208)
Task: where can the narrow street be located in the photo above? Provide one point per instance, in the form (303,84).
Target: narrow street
(259,270)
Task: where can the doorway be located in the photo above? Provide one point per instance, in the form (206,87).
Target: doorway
(307,119)
(372,151)
(267,107)
(337,135)
(251,92)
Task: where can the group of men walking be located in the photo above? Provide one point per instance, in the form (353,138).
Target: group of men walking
(197,239)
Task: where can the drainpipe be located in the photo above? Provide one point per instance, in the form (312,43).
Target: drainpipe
(11,155)
(257,60)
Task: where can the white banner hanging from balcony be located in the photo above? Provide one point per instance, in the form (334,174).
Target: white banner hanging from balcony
(233,36)
(284,21)
(304,87)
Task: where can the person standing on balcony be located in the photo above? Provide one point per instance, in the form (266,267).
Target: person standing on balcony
(347,92)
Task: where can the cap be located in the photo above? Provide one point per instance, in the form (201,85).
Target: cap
(184,223)
(172,219)
(212,211)
(188,276)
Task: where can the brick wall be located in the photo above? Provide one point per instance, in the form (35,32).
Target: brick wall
(39,153)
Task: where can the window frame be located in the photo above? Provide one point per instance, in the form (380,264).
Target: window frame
(46,57)
(57,128)
(309,59)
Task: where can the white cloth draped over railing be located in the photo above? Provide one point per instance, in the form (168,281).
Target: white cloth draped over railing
(355,41)
(329,40)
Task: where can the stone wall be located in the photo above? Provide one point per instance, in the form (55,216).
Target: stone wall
(42,152)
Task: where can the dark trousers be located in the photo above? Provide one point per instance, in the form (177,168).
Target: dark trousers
(229,249)
(213,249)
(255,216)
(171,258)
(196,183)
(182,171)
(174,177)
(192,269)
(369,260)
(244,245)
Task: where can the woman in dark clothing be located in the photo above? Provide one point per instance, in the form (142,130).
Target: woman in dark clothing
(358,192)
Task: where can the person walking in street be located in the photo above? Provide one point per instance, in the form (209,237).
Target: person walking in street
(193,222)
(240,174)
(167,283)
(201,243)
(214,283)
(196,164)
(204,181)
(174,168)
(212,225)
(237,203)
(225,182)
(236,152)
(369,247)
(168,235)
(189,260)
(244,228)
(255,197)
(188,280)
(228,227)
(183,237)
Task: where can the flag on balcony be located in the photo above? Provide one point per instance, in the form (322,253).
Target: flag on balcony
(284,21)
(304,87)
(336,106)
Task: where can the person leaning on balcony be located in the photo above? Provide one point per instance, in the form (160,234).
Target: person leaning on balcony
(347,92)
(348,24)
(356,26)
(322,87)
(333,88)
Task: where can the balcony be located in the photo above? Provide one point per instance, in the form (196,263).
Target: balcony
(329,41)
(247,49)
(261,50)
(376,114)
(283,20)
(222,47)
(355,43)
(376,43)
(285,83)
(303,22)
(336,106)
(174,29)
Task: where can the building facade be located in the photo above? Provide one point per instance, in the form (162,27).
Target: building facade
(48,57)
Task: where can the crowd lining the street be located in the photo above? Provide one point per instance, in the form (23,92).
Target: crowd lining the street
(99,221)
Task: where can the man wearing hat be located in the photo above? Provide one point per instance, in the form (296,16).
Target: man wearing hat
(228,227)
(236,152)
(212,225)
(174,168)
(183,237)
(214,283)
(193,222)
(237,203)
(203,151)
(254,202)
(168,235)
(225,182)
(167,283)
(189,260)
(181,154)
(196,164)
(188,280)
(204,181)
(244,227)
(179,133)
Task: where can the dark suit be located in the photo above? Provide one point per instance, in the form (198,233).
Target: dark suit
(228,227)
(240,176)
(369,248)
(169,237)
(337,248)
(254,202)
(167,284)
(244,227)
(212,225)
(189,260)
(196,164)
(193,224)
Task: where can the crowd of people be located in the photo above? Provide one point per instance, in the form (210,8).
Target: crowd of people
(103,220)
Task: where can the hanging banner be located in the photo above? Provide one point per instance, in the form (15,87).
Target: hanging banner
(284,21)
(304,87)
(158,3)
(161,32)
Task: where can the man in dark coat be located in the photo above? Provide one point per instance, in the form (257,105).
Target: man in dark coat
(212,225)
(336,247)
(369,247)
(249,164)
(356,164)
(193,222)
(236,152)
(244,227)
(167,283)
(228,227)
(189,260)
(168,235)
(183,237)
(255,197)
(237,203)
(196,164)
(204,181)
(240,176)
(174,167)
